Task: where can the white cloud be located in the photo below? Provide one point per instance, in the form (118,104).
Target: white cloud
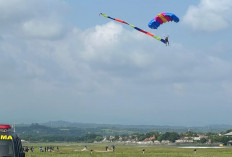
(101,38)
(104,36)
(42,29)
(36,18)
(209,15)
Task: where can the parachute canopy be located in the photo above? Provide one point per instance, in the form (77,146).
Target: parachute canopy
(162,18)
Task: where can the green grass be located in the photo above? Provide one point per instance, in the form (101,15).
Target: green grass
(68,150)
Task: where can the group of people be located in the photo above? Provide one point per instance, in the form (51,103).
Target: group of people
(26,149)
(48,149)
(112,147)
(106,148)
(51,149)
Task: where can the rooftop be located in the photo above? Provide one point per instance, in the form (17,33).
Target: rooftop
(228,134)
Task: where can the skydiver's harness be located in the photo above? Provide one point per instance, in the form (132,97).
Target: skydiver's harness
(166,39)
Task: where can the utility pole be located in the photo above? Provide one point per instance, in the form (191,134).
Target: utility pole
(13,127)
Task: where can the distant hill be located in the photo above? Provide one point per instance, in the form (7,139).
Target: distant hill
(207,128)
(80,129)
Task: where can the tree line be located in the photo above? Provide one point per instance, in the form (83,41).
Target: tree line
(152,136)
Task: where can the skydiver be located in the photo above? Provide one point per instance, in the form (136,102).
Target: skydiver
(166,40)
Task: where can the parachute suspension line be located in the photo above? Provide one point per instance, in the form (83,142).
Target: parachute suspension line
(138,29)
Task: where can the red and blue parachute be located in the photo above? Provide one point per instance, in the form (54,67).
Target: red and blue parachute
(162,18)
(154,23)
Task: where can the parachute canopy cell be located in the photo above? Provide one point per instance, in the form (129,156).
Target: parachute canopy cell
(162,18)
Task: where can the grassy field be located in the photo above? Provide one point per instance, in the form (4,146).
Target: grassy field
(71,150)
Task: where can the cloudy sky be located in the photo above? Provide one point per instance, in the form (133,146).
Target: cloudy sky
(60,60)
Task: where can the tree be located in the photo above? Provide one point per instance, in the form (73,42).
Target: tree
(230,130)
(116,137)
(222,139)
(191,134)
(225,140)
(99,138)
(141,137)
(160,137)
(171,136)
(203,140)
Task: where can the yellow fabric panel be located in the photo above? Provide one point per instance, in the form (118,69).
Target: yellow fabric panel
(162,18)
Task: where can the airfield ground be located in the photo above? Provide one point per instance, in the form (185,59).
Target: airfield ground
(98,150)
